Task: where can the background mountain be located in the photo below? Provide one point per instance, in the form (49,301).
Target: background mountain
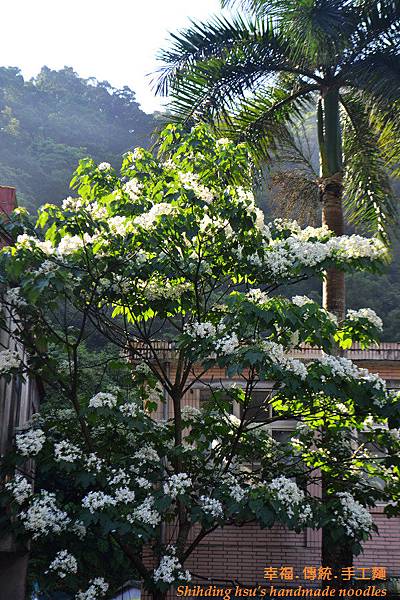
(50,122)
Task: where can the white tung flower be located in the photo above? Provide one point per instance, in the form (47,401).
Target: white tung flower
(66,451)
(146,513)
(104,166)
(227,344)
(211,506)
(63,564)
(20,488)
(103,399)
(9,359)
(287,493)
(97,588)
(368,314)
(30,443)
(301,300)
(133,188)
(44,517)
(177,484)
(257,296)
(94,462)
(72,203)
(354,517)
(97,501)
(147,220)
(124,495)
(170,569)
(200,330)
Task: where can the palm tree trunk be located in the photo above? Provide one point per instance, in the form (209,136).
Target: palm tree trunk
(333,292)
(331,192)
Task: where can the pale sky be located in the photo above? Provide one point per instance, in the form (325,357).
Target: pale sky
(113,40)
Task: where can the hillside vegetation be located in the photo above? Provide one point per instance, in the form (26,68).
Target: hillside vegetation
(48,123)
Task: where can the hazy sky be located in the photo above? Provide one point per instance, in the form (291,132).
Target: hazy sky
(114,40)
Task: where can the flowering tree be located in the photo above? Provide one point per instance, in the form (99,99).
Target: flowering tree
(175,249)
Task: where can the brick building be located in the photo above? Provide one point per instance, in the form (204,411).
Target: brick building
(240,554)
(18,401)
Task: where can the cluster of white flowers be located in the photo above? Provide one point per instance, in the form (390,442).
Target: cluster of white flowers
(30,443)
(177,484)
(125,495)
(131,409)
(119,225)
(211,506)
(70,244)
(257,296)
(97,211)
(43,516)
(103,399)
(190,413)
(13,297)
(223,142)
(282,255)
(276,354)
(143,369)
(143,483)
(191,181)
(94,462)
(97,588)
(146,513)
(287,493)
(118,476)
(133,188)
(27,241)
(234,488)
(301,300)
(63,564)
(20,488)
(97,501)
(104,166)
(170,569)
(227,344)
(148,219)
(66,451)
(216,224)
(146,454)
(159,290)
(79,529)
(9,359)
(354,517)
(345,368)
(365,313)
(200,330)
(73,203)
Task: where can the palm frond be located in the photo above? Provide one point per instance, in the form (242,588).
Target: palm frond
(217,38)
(369,198)
(209,79)
(378,75)
(266,121)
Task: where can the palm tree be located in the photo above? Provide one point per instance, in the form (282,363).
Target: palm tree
(254,77)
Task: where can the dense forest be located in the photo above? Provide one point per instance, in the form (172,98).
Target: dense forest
(48,123)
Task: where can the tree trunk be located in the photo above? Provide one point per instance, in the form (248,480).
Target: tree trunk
(331,191)
(333,555)
(333,292)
